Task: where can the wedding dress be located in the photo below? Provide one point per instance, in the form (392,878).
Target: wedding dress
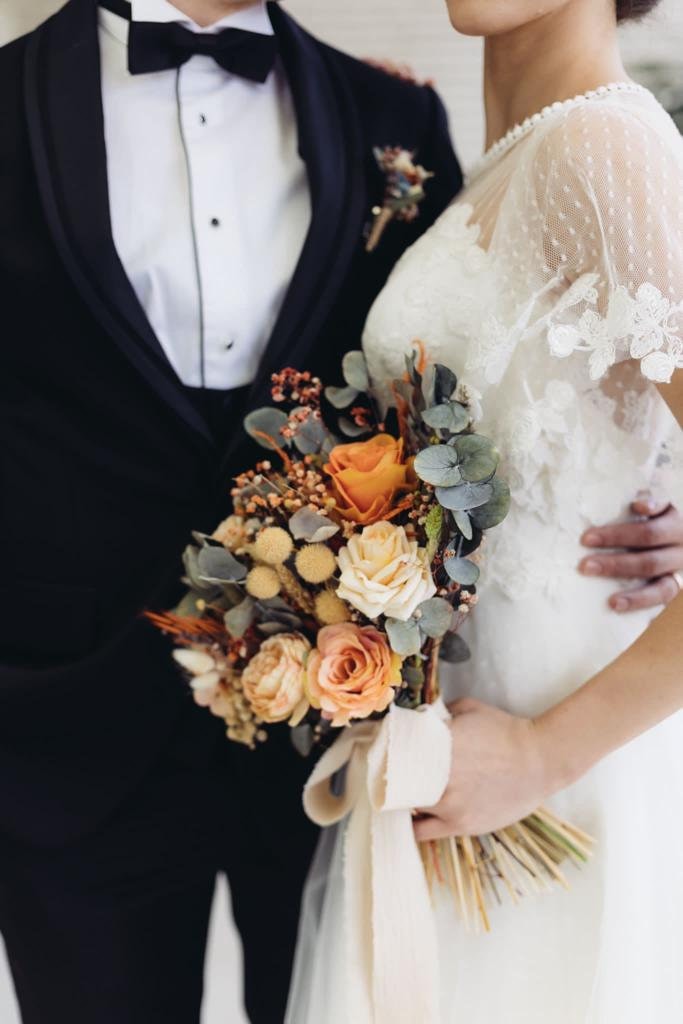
(553,287)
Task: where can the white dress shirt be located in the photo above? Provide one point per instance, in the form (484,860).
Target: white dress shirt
(209,198)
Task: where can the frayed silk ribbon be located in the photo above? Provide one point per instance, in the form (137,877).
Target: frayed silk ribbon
(391,766)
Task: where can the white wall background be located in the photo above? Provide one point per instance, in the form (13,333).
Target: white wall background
(415,32)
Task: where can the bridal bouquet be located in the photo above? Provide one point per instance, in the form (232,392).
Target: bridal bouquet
(327,599)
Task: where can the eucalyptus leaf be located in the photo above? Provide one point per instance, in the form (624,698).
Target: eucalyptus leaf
(453,649)
(462,571)
(217,565)
(265,423)
(239,619)
(439,384)
(351,429)
(434,616)
(289,620)
(205,538)
(274,604)
(355,370)
(451,416)
(496,508)
(438,465)
(188,605)
(464,497)
(312,527)
(303,739)
(193,572)
(464,523)
(404,637)
(232,594)
(478,457)
(341,398)
(310,436)
(272,628)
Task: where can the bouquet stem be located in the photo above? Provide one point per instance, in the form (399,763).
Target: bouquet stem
(524,857)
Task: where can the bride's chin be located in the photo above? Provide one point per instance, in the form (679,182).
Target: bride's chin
(478,17)
(496,17)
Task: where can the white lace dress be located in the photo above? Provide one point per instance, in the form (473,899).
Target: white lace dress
(554,288)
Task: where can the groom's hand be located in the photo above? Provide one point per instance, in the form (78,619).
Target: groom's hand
(652,554)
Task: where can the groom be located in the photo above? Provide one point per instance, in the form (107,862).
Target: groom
(183,206)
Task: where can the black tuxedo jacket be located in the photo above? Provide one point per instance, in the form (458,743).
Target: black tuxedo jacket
(105,462)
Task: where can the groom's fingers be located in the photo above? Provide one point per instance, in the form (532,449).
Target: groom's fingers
(658,531)
(647,505)
(652,595)
(634,565)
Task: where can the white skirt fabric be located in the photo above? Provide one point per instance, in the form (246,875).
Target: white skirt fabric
(608,951)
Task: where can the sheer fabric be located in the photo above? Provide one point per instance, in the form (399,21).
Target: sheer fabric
(554,288)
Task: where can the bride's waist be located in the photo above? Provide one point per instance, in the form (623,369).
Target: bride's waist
(531,650)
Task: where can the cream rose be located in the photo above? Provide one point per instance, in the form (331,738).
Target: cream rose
(273,681)
(384,573)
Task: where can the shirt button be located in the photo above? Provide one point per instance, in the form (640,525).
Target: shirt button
(229,346)
(215,223)
(202,118)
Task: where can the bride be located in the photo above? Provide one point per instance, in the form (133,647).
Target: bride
(554,288)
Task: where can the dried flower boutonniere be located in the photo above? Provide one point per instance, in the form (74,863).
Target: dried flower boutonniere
(404,190)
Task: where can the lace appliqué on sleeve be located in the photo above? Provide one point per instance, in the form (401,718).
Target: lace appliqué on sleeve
(646,326)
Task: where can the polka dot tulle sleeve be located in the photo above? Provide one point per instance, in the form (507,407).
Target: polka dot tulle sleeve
(606,191)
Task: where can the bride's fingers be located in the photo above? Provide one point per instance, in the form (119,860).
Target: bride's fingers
(463,706)
(431,827)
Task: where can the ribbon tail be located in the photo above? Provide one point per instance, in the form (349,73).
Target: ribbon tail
(358,902)
(406,988)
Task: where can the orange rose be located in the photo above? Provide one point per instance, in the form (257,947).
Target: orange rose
(367,476)
(351,673)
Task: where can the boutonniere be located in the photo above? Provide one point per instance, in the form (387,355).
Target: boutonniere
(403,193)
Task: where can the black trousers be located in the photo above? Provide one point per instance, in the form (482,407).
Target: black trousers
(112,930)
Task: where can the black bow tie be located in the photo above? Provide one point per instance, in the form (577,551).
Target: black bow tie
(160,46)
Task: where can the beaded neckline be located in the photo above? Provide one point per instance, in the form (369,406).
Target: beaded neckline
(502,145)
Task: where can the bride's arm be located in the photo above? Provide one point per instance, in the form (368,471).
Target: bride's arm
(505,766)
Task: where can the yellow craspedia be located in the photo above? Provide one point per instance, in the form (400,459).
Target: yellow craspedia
(273,545)
(315,563)
(330,610)
(263,582)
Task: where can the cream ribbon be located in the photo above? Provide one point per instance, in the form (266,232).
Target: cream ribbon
(392,766)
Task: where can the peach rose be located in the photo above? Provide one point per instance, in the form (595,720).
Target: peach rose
(273,681)
(367,476)
(384,573)
(352,672)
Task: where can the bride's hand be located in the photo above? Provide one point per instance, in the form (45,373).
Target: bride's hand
(500,773)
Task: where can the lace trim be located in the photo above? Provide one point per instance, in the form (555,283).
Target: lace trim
(525,127)
(647,326)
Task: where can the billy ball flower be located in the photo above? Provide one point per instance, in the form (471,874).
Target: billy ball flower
(315,563)
(273,546)
(329,609)
(262,582)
